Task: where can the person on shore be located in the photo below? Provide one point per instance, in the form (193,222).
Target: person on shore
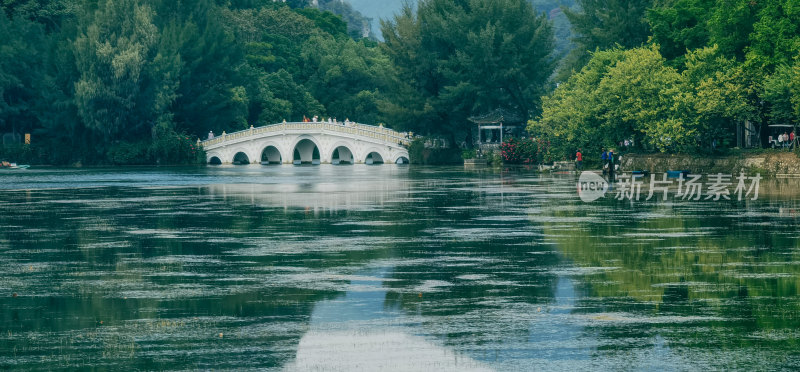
(791,139)
(604,160)
(578,160)
(611,165)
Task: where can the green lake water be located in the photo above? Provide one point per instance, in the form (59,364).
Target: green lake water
(388,268)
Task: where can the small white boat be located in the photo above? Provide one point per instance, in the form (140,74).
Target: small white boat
(6,165)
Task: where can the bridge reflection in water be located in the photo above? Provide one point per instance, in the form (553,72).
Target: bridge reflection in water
(309,143)
(276,187)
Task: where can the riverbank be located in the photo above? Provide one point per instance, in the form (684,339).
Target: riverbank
(766,163)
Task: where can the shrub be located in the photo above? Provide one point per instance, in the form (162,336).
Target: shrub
(167,147)
(170,147)
(524,151)
(128,153)
(18,153)
(419,154)
(495,158)
(416,151)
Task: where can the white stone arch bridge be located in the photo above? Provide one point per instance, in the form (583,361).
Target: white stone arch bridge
(309,143)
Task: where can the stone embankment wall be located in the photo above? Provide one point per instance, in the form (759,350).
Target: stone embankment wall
(767,163)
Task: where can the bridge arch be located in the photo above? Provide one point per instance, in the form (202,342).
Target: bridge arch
(342,153)
(402,160)
(270,154)
(215,160)
(241,158)
(306,150)
(373,155)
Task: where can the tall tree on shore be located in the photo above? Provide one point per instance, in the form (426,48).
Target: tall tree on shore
(454,59)
(634,94)
(775,39)
(605,24)
(21,72)
(112,53)
(680,25)
(209,76)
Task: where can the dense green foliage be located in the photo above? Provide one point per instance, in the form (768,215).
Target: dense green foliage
(132,82)
(455,59)
(358,25)
(605,24)
(138,81)
(633,94)
(422,154)
(709,68)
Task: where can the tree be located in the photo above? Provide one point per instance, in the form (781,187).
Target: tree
(455,59)
(782,94)
(50,13)
(717,94)
(573,115)
(680,25)
(778,94)
(346,76)
(730,25)
(605,24)
(635,94)
(112,53)
(209,69)
(21,72)
(775,39)
(299,101)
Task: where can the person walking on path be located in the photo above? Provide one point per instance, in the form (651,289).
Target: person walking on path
(578,160)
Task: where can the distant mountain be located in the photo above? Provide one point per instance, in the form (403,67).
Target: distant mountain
(377,9)
(358,23)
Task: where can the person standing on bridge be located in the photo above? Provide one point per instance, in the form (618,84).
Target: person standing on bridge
(578,160)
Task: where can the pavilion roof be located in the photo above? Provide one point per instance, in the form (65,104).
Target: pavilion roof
(499,115)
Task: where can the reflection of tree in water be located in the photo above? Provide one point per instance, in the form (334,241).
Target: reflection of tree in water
(150,279)
(716,274)
(473,270)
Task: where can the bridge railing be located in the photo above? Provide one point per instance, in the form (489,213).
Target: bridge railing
(356,129)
